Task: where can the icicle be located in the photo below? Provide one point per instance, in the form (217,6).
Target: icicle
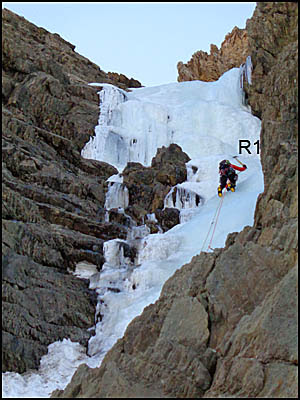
(248,70)
(114,253)
(185,198)
(107,144)
(245,71)
(117,196)
(241,77)
(168,201)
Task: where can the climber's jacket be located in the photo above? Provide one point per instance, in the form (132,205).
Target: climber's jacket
(227,168)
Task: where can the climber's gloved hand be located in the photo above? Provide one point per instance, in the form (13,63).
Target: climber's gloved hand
(245,166)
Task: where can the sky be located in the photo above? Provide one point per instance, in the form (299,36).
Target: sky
(142,40)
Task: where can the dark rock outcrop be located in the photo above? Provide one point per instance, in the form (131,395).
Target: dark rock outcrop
(148,186)
(40,303)
(225,324)
(167,218)
(53,213)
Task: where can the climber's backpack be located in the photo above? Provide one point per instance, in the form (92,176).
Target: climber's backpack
(224,167)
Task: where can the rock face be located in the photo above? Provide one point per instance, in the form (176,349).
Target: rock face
(225,324)
(53,213)
(148,186)
(209,67)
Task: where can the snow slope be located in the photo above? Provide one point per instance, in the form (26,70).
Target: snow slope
(207,120)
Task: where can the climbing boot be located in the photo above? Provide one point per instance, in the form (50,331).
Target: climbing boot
(230,187)
(219,191)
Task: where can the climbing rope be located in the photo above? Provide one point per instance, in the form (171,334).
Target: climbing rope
(215,219)
(218,214)
(214,222)
(211,225)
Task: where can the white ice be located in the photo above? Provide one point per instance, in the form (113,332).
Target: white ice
(116,196)
(207,120)
(202,117)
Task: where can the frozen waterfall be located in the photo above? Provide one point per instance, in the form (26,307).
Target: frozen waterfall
(117,196)
(207,119)
(122,135)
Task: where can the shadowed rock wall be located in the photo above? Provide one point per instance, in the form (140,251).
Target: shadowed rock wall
(53,213)
(52,199)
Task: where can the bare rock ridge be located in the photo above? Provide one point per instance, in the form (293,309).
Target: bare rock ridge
(209,67)
(225,324)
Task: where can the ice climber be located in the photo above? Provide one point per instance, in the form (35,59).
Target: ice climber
(227,172)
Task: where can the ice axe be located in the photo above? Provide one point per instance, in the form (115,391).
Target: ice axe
(238,160)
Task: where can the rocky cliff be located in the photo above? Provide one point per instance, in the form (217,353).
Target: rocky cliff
(225,324)
(209,67)
(52,198)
